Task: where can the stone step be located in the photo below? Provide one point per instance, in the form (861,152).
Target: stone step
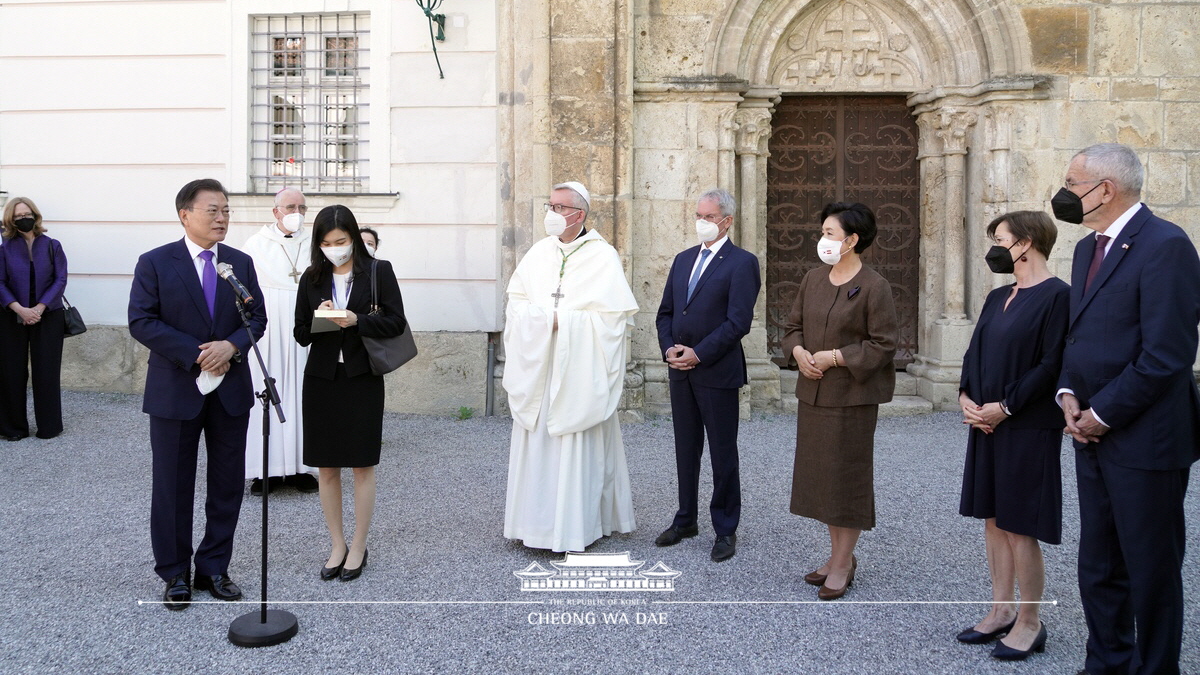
(905,406)
(906,385)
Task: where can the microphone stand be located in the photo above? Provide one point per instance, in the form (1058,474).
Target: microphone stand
(264,627)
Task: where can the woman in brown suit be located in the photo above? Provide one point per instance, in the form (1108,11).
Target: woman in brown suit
(841,334)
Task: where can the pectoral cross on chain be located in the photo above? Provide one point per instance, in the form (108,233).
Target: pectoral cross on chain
(294,274)
(557,294)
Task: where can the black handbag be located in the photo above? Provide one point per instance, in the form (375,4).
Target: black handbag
(387,353)
(72,320)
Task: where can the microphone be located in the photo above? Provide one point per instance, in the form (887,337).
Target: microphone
(225,271)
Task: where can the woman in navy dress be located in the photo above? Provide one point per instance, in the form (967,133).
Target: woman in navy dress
(1012,477)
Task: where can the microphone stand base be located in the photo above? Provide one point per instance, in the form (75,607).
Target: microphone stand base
(248,630)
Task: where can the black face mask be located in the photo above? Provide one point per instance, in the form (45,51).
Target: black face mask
(25,224)
(999,259)
(1068,206)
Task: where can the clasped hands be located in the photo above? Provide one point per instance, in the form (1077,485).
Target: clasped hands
(350,320)
(215,356)
(680,357)
(1082,425)
(984,417)
(812,366)
(28,315)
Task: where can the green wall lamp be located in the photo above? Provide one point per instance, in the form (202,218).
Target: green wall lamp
(428,6)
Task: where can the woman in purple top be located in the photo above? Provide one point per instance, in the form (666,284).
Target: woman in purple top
(33,276)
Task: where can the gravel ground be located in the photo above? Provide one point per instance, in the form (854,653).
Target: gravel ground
(439,594)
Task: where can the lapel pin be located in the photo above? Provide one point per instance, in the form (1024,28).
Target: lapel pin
(1125,246)
(852,292)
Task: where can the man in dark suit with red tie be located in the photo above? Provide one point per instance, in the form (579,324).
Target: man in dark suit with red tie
(197,381)
(706,310)
(1132,407)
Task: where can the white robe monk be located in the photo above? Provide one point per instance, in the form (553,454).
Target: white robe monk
(279,261)
(568,484)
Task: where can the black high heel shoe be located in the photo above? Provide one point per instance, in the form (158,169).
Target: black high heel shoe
(331,573)
(971,636)
(352,574)
(1006,653)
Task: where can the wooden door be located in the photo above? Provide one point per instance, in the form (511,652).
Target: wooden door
(843,149)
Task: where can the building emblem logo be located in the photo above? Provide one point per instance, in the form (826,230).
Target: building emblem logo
(597,572)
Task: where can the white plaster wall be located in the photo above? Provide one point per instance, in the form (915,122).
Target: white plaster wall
(110,107)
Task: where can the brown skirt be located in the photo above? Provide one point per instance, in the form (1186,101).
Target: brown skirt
(833,479)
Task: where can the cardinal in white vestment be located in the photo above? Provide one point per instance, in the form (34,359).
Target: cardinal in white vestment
(281,252)
(569,309)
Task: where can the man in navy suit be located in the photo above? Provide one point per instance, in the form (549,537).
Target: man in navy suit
(197,381)
(1132,407)
(706,309)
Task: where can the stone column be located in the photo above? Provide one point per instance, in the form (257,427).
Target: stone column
(952,126)
(752,129)
(939,363)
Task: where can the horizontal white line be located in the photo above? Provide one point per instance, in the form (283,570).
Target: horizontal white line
(353,602)
(849,602)
(652,602)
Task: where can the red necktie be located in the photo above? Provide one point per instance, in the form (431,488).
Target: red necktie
(1097,258)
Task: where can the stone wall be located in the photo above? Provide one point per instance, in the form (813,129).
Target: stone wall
(449,373)
(1002,98)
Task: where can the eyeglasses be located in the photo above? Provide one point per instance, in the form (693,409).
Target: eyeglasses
(292,208)
(560,208)
(212,213)
(1072,183)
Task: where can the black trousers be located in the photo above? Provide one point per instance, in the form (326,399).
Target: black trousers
(175,446)
(696,410)
(20,345)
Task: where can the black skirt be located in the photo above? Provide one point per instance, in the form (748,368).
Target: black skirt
(343,420)
(1014,475)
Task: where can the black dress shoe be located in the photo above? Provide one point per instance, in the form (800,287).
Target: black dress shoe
(273,483)
(1006,653)
(47,436)
(673,535)
(179,592)
(219,586)
(331,573)
(352,574)
(973,637)
(16,437)
(304,482)
(724,547)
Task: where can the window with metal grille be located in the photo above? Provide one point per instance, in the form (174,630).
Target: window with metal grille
(309,82)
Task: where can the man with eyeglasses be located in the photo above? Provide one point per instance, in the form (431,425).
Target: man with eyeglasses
(1132,408)
(197,382)
(569,311)
(706,310)
(281,252)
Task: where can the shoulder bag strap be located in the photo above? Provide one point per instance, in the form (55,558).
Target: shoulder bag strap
(374,289)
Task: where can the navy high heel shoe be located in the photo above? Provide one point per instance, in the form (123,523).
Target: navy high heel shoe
(973,637)
(352,574)
(1006,653)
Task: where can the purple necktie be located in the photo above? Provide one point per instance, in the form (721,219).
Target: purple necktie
(1097,258)
(209,282)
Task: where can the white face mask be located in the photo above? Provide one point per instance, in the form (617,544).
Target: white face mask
(706,231)
(338,255)
(370,249)
(292,222)
(829,251)
(555,223)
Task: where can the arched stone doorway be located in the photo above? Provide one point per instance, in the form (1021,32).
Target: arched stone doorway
(958,70)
